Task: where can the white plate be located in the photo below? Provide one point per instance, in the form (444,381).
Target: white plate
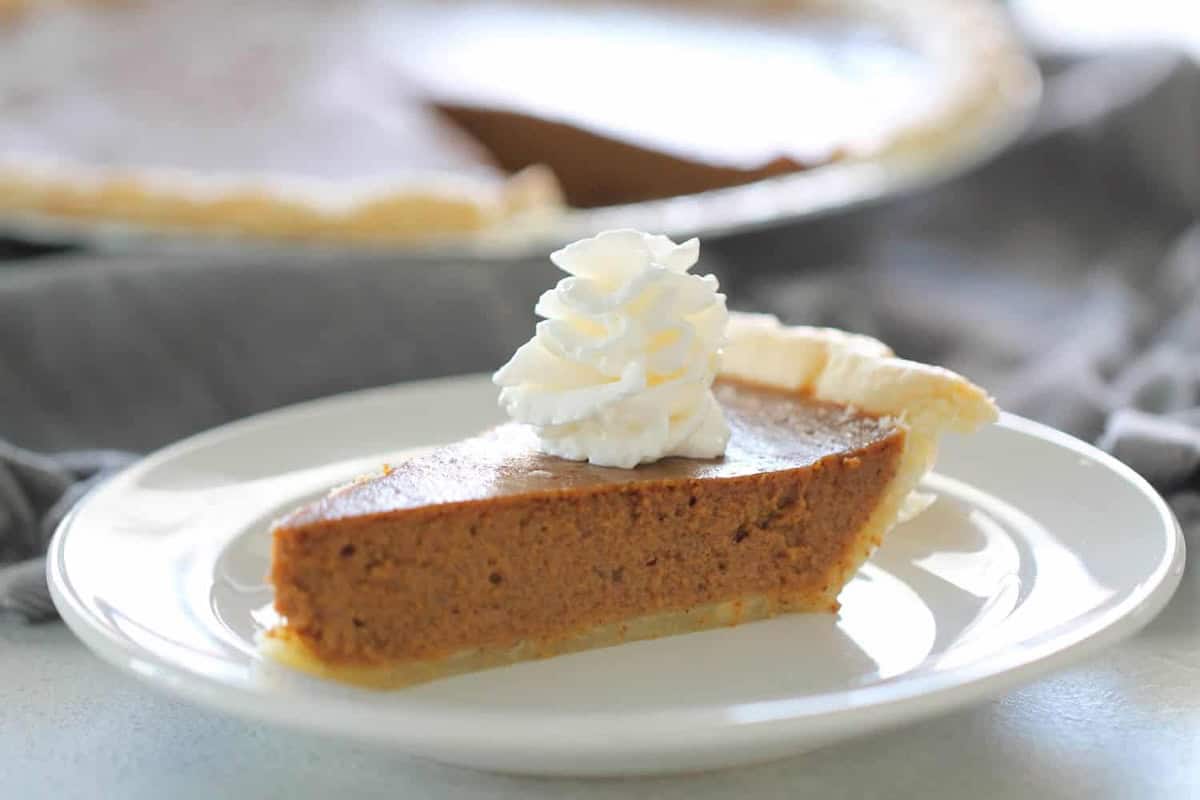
(1040,550)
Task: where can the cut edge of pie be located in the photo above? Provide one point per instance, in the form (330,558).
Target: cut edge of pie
(853,371)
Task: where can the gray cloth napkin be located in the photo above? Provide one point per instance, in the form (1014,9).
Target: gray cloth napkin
(1064,276)
(36,492)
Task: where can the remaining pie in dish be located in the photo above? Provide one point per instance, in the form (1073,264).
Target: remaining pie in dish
(488,552)
(376,121)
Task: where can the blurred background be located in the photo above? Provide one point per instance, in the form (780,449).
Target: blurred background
(205,219)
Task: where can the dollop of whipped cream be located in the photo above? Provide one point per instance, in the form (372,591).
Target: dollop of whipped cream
(620,370)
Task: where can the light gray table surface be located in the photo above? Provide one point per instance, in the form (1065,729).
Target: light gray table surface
(1124,725)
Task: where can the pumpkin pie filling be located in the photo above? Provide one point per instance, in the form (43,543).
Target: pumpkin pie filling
(489,544)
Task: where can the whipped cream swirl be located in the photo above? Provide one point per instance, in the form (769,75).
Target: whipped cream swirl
(620,371)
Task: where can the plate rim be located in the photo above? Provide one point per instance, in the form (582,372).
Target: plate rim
(431,727)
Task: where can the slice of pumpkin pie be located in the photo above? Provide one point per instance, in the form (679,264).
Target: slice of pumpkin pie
(670,467)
